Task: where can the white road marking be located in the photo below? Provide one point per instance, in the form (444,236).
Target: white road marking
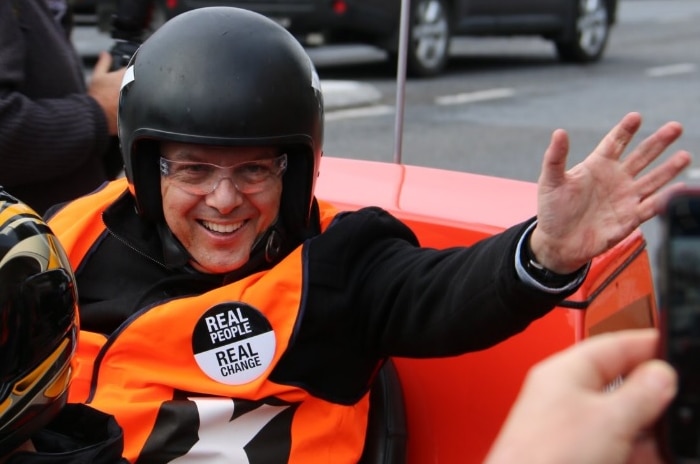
(376,110)
(671,70)
(472,97)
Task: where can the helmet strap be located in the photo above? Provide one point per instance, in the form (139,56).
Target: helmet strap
(269,249)
(175,254)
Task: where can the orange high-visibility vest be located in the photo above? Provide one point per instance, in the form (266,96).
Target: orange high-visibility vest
(187,378)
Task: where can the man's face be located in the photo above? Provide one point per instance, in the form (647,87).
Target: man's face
(219,227)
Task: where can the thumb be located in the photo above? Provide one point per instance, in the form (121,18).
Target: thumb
(554,161)
(104,62)
(645,394)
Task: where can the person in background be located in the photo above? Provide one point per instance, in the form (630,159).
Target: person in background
(566,414)
(54,131)
(226,311)
(38,336)
(128,27)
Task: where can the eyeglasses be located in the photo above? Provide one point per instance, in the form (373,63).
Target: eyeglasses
(203,178)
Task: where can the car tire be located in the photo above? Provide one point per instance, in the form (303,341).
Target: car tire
(590,32)
(429,38)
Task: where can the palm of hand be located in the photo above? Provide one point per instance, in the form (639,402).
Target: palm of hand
(590,208)
(593,209)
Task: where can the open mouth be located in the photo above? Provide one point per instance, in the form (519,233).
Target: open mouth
(222,228)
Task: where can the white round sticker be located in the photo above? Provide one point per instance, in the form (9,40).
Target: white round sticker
(233,343)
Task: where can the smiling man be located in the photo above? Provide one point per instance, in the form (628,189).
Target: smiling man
(228,315)
(219,211)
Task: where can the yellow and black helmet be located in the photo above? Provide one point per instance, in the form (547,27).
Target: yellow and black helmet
(38,323)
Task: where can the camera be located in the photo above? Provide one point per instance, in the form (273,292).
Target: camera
(679,283)
(121,52)
(127,39)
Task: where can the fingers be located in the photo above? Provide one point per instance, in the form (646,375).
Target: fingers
(104,62)
(644,395)
(658,177)
(598,360)
(652,147)
(554,161)
(660,200)
(654,199)
(615,142)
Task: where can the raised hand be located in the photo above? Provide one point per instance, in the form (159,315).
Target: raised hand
(588,209)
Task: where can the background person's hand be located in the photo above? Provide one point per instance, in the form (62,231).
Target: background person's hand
(104,88)
(564,414)
(588,209)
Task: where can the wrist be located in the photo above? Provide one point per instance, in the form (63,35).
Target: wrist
(549,256)
(540,272)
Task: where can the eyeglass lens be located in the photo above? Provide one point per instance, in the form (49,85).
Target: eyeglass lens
(203,178)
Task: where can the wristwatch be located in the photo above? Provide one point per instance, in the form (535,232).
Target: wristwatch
(540,273)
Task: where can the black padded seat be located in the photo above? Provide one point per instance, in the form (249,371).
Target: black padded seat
(386,427)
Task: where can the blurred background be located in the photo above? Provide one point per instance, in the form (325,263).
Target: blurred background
(493,106)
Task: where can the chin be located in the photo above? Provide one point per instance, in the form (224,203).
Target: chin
(218,268)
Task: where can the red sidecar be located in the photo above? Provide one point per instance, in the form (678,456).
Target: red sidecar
(449,410)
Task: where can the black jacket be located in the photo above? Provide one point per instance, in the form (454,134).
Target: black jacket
(52,134)
(78,435)
(369,292)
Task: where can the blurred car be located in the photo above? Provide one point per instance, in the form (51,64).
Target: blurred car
(84,11)
(579,28)
(83,6)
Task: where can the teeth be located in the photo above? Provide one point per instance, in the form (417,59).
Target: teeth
(222,228)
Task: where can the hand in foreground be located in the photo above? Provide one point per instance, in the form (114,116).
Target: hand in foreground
(104,88)
(588,209)
(564,414)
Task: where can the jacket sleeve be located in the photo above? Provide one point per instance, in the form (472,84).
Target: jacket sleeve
(46,128)
(419,302)
(371,292)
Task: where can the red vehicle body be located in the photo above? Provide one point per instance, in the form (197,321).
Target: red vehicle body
(454,407)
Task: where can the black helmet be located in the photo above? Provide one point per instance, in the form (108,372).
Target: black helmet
(38,323)
(222,76)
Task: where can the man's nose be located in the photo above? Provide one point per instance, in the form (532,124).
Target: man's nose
(225,196)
